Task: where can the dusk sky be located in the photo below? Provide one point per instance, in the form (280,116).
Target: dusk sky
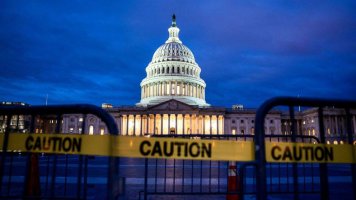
(249,51)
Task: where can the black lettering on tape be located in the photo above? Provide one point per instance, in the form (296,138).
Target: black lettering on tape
(194,153)
(142,148)
(206,150)
(274,155)
(29,143)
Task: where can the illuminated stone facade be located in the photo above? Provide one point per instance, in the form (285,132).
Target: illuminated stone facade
(173,102)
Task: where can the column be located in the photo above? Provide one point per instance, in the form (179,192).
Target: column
(141,125)
(217,124)
(176,125)
(154,124)
(119,124)
(147,123)
(211,127)
(160,88)
(127,124)
(190,124)
(134,125)
(203,124)
(169,123)
(198,91)
(161,115)
(183,124)
(146,91)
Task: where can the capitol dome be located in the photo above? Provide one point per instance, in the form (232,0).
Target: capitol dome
(173,74)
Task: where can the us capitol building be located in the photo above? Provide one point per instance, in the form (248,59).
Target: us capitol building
(173,102)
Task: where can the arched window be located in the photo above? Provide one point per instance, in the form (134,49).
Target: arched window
(178,70)
(158,71)
(183,70)
(163,70)
(172,70)
(167,70)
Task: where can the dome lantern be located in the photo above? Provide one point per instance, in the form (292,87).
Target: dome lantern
(173,32)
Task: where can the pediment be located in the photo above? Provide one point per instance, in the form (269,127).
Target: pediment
(172,105)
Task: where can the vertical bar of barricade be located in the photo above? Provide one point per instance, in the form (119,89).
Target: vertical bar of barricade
(260,152)
(350,141)
(32,180)
(113,172)
(146,177)
(324,184)
(54,166)
(294,165)
(80,164)
(4,149)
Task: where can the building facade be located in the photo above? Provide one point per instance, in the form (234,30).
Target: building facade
(173,102)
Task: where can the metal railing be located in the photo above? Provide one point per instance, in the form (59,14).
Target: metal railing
(50,161)
(192,178)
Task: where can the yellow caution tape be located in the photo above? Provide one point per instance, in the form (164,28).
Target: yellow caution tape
(125,146)
(196,149)
(310,153)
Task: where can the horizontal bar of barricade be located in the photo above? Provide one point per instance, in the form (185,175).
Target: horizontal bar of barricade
(126,146)
(193,149)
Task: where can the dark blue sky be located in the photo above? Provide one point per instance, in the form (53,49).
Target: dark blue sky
(249,51)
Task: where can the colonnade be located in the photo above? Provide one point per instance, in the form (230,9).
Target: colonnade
(172,70)
(171,124)
(173,88)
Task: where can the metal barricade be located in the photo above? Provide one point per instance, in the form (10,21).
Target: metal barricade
(51,176)
(198,178)
(292,103)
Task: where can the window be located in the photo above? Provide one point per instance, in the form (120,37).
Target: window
(271,121)
(80,119)
(313,131)
(242,131)
(233,121)
(233,131)
(80,130)
(91,130)
(71,119)
(71,130)
(242,121)
(102,131)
